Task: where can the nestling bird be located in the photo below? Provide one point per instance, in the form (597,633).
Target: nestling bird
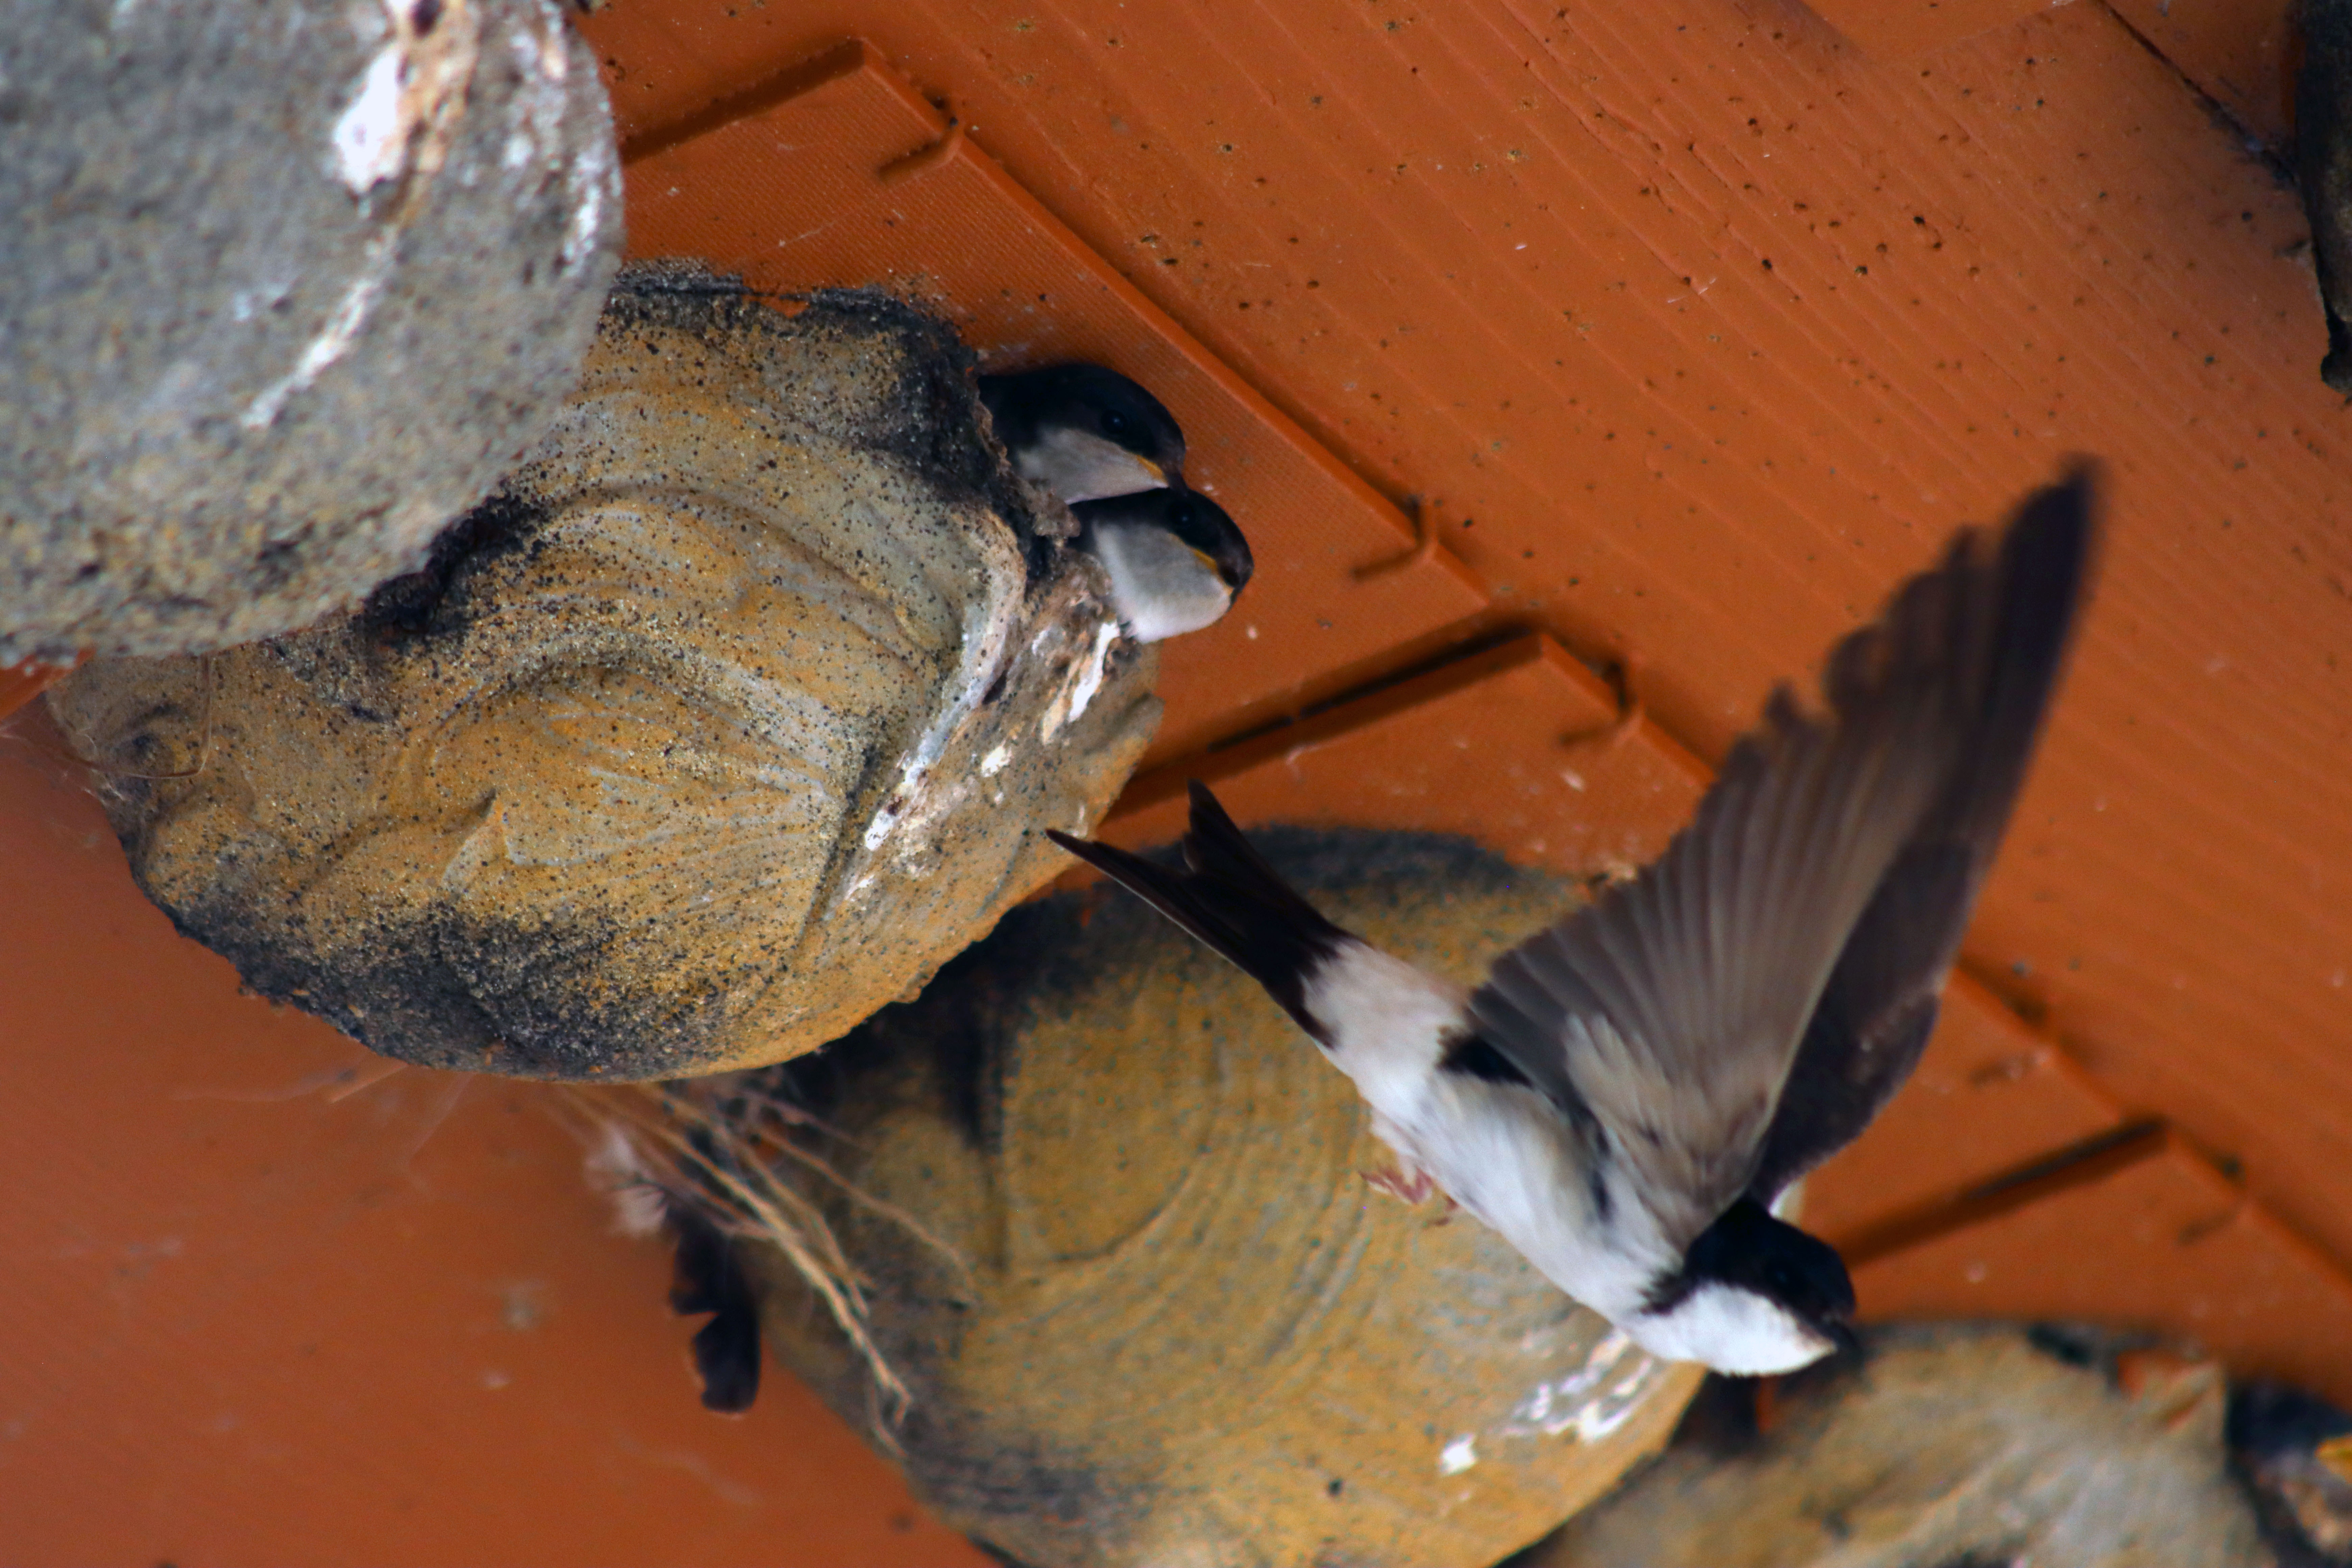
(1109,451)
(1176,561)
(1084,431)
(1630,1092)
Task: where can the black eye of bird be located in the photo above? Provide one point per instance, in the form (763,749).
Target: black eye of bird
(1115,423)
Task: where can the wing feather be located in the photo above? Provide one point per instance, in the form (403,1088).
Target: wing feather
(1676,1006)
(1880,1003)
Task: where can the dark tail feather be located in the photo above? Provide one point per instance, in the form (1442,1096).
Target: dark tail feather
(1229,898)
(710,1277)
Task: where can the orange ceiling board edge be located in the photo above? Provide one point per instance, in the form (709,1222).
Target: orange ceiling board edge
(1989,1096)
(1906,29)
(1519,747)
(20,683)
(2145,1236)
(268,1297)
(2236,52)
(836,172)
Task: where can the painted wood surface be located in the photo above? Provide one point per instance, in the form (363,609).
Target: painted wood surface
(1700,323)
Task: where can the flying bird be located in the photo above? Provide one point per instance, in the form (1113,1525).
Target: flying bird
(1630,1093)
(1176,561)
(1084,431)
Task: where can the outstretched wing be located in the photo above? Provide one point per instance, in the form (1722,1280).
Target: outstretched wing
(1880,1003)
(1674,1007)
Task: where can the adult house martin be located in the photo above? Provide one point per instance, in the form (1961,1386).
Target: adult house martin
(1630,1092)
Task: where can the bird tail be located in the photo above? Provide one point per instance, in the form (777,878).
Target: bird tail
(1231,900)
(708,1273)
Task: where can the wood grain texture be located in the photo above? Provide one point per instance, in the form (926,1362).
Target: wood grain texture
(2159,1241)
(1516,256)
(20,683)
(1893,30)
(2239,53)
(268,1304)
(1510,255)
(836,172)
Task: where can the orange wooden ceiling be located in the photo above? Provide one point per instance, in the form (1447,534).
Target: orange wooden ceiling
(1512,256)
(261,1302)
(1704,327)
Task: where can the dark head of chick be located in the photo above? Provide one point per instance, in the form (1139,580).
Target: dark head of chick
(1085,432)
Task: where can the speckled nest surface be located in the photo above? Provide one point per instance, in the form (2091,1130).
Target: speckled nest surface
(285,285)
(740,706)
(1157,1316)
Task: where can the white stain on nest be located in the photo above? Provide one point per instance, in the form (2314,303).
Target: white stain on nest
(370,138)
(990,623)
(1070,704)
(342,329)
(1594,1400)
(402,117)
(416,82)
(1458,1456)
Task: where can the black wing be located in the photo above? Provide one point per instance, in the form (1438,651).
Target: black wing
(1678,1006)
(1880,1004)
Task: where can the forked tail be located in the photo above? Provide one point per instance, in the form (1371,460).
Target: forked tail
(1229,898)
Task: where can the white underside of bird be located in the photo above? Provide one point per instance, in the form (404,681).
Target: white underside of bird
(1630,1093)
(1504,1154)
(1160,586)
(1077,466)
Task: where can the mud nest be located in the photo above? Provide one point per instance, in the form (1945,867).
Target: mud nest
(735,713)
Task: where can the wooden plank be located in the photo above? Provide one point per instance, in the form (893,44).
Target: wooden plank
(1516,747)
(1989,1096)
(2151,1237)
(272,1298)
(1516,256)
(2239,53)
(20,683)
(1906,29)
(784,185)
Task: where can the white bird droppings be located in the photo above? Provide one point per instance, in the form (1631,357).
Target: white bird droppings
(1458,1456)
(370,138)
(1071,703)
(342,329)
(1592,1401)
